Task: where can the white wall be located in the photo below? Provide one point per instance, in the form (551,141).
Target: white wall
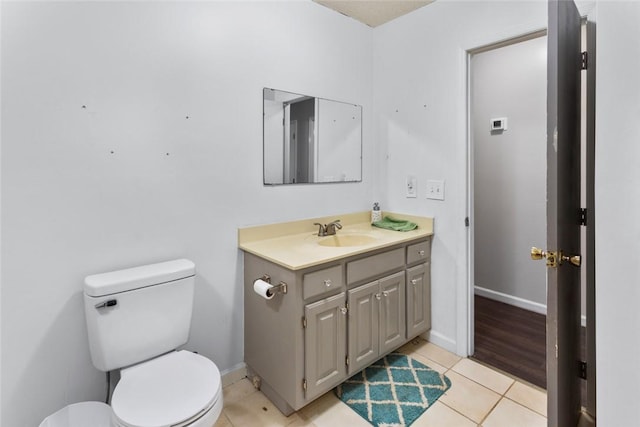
(420,126)
(130,179)
(509,169)
(617,188)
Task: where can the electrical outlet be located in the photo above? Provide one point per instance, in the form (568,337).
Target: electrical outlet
(435,189)
(412,186)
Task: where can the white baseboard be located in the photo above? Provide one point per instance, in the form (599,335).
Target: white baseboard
(234,374)
(440,340)
(536,307)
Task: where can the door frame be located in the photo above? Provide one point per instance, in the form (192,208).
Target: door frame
(466,292)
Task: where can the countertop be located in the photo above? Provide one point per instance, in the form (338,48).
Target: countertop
(294,244)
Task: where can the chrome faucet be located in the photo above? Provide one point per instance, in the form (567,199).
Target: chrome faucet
(328,229)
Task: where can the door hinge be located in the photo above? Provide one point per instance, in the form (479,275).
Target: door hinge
(582,366)
(346,360)
(304,323)
(583,216)
(466,222)
(585,61)
(304,384)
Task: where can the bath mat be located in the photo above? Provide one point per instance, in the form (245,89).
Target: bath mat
(394,391)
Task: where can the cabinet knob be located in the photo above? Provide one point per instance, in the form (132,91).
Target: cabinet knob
(421,253)
(378,296)
(385,293)
(414,281)
(327,282)
(343,310)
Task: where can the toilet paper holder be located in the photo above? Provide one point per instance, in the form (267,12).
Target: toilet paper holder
(280,288)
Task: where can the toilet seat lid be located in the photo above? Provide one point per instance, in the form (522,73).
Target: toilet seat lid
(166,391)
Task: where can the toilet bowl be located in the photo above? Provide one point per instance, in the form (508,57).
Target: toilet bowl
(177,389)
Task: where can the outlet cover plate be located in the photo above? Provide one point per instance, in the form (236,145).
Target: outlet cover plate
(412,186)
(435,189)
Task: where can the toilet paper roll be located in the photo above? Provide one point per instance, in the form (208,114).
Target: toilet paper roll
(263,289)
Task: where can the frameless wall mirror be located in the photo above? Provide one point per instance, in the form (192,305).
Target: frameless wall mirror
(310,140)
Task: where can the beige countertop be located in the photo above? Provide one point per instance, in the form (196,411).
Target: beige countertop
(295,245)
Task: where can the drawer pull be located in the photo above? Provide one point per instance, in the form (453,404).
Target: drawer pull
(421,253)
(327,283)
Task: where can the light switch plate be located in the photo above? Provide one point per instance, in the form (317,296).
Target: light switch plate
(435,189)
(412,186)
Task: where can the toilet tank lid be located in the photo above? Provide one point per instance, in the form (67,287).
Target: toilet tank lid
(129,279)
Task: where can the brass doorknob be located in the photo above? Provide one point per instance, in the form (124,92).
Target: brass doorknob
(575,259)
(555,258)
(537,253)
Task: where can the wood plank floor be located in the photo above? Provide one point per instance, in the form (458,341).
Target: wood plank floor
(511,339)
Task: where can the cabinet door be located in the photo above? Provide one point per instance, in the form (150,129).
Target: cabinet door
(392,312)
(364,346)
(325,344)
(418,300)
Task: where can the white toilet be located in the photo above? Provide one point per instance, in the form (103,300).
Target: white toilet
(136,319)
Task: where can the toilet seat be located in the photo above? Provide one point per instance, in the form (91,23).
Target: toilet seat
(175,389)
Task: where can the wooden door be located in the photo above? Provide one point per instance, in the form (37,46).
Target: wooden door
(563,213)
(392,312)
(325,344)
(363,339)
(418,300)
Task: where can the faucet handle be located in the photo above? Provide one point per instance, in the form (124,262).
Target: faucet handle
(322,229)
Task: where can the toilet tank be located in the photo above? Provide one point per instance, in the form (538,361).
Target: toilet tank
(138,313)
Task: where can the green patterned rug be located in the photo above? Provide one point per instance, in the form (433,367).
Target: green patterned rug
(394,391)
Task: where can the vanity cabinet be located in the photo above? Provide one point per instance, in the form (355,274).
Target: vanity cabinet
(335,319)
(376,320)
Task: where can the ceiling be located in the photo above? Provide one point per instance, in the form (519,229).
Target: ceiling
(374,12)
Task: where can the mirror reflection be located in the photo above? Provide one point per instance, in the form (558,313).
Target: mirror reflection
(310,140)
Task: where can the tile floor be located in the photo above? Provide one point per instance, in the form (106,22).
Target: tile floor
(479,396)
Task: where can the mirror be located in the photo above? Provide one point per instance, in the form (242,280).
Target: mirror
(310,140)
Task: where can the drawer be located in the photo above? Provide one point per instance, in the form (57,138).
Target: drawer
(375,266)
(419,252)
(322,282)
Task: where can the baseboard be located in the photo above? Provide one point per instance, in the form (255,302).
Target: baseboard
(234,374)
(536,307)
(440,340)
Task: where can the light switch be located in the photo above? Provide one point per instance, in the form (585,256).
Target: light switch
(435,189)
(412,186)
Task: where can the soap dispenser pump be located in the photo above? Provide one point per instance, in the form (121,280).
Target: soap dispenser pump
(376,214)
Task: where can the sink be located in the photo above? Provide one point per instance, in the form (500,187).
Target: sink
(341,240)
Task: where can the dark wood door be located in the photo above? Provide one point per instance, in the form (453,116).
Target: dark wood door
(563,213)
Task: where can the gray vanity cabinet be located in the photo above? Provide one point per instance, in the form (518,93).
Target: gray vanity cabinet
(376,320)
(418,300)
(335,319)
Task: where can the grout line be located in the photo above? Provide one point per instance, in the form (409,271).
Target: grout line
(526,407)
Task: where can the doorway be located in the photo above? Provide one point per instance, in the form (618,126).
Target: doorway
(505,201)
(508,129)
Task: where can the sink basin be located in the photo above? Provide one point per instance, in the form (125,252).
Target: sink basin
(341,240)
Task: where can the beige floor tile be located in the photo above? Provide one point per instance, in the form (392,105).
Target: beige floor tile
(509,414)
(223,421)
(255,410)
(469,398)
(422,359)
(482,375)
(238,391)
(329,411)
(431,351)
(528,396)
(440,415)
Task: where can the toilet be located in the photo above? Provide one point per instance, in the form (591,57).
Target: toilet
(136,320)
